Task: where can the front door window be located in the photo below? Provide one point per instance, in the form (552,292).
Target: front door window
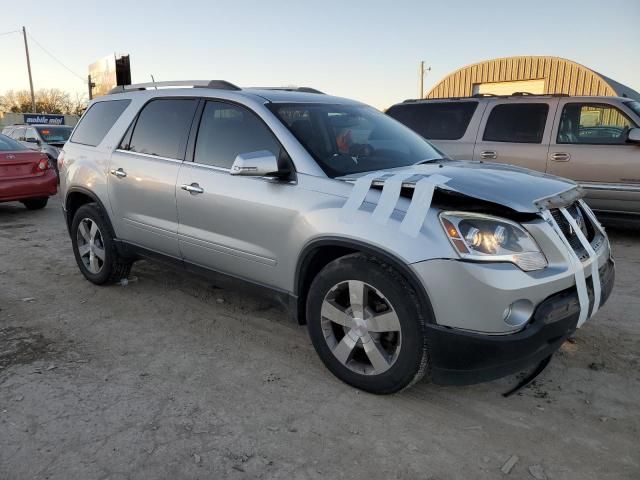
(593,124)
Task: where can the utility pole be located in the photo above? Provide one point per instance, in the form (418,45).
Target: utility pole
(26,49)
(423,71)
(91,85)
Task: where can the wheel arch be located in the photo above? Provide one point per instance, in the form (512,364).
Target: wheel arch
(320,252)
(78,196)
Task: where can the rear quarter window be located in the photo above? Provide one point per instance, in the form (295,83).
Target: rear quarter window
(96,123)
(436,121)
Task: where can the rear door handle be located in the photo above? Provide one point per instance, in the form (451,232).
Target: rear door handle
(120,173)
(560,157)
(194,188)
(488,155)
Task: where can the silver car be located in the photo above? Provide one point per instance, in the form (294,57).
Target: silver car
(402,263)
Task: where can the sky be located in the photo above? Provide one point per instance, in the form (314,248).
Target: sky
(368,50)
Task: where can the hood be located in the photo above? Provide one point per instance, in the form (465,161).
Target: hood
(517,188)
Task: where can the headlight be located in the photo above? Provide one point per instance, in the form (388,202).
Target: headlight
(492,239)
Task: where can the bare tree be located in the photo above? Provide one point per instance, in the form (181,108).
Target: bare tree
(50,100)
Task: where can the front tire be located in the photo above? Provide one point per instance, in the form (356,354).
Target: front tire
(94,247)
(35,203)
(366,325)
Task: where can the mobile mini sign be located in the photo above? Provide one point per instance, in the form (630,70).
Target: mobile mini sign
(43,119)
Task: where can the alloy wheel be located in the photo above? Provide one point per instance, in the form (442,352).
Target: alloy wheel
(90,245)
(361,327)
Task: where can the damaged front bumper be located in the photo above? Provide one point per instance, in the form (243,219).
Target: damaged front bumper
(495,319)
(460,357)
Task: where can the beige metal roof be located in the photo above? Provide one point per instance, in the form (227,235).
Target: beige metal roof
(560,76)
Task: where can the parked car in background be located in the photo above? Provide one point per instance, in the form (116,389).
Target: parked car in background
(594,141)
(48,139)
(402,263)
(25,175)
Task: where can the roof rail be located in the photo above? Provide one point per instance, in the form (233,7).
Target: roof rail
(292,89)
(217,84)
(492,95)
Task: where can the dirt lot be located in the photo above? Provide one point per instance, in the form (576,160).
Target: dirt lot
(172,377)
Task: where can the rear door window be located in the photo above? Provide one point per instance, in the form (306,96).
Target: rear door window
(436,121)
(593,124)
(97,121)
(517,123)
(162,128)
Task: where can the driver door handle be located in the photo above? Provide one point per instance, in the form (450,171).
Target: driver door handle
(488,155)
(193,189)
(560,157)
(120,173)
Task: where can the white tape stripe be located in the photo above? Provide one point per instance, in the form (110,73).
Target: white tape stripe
(581,283)
(592,216)
(358,194)
(389,198)
(595,274)
(594,220)
(575,266)
(420,204)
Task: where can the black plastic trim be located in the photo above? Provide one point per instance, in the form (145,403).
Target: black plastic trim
(89,194)
(219,278)
(402,267)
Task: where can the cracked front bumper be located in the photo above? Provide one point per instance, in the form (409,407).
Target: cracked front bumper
(461,357)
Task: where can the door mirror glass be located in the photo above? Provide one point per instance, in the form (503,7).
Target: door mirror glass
(261,163)
(634,135)
(31,140)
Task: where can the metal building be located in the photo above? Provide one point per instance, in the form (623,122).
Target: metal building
(537,75)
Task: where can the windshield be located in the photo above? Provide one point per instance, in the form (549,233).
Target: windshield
(54,134)
(9,144)
(635,106)
(346,139)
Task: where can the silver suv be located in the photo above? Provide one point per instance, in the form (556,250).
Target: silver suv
(402,263)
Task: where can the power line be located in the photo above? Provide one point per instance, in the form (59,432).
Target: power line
(84,79)
(9,32)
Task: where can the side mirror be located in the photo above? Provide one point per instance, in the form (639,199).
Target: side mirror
(32,140)
(634,135)
(262,163)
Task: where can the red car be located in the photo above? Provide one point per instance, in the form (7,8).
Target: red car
(25,175)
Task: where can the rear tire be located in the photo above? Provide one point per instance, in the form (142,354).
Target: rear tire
(35,203)
(94,247)
(380,348)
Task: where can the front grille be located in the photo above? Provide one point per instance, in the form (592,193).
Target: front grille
(588,229)
(566,303)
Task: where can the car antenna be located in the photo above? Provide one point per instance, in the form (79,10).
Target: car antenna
(153,80)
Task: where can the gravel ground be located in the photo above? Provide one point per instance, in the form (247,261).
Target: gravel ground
(173,377)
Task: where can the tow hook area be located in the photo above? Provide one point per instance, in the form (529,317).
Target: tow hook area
(529,378)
